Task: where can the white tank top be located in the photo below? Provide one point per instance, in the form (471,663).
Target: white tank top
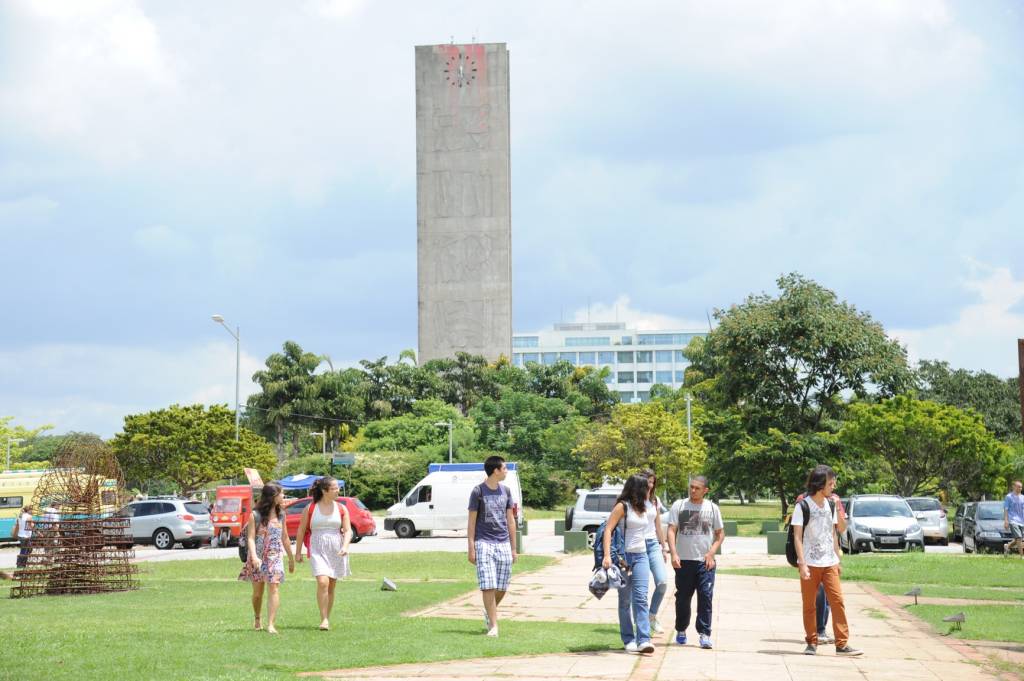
(325,522)
(636,528)
(653,509)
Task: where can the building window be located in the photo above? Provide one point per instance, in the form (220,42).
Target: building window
(680,376)
(517,359)
(663,356)
(626,396)
(666,338)
(588,358)
(643,356)
(627,340)
(610,378)
(525,341)
(588,340)
(625,358)
(530,357)
(625,377)
(548,357)
(680,357)
(643,396)
(569,357)
(606,358)
(663,377)
(644,377)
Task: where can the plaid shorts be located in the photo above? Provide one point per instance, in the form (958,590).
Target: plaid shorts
(1017,530)
(493,565)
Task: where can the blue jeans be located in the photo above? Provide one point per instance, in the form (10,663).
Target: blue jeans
(821,610)
(657,561)
(694,576)
(633,597)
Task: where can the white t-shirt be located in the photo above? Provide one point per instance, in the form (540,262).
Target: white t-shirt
(696,525)
(819,546)
(24,532)
(652,531)
(636,528)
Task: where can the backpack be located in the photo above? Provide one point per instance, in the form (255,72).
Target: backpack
(790,545)
(243,537)
(617,543)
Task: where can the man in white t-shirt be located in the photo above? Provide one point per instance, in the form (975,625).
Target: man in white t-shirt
(695,531)
(817,553)
(24,535)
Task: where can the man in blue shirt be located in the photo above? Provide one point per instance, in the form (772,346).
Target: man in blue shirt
(1013,518)
(491,543)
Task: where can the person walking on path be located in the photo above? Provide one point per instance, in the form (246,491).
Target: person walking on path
(817,552)
(491,546)
(267,539)
(1013,518)
(326,530)
(635,510)
(657,551)
(25,524)
(821,607)
(695,533)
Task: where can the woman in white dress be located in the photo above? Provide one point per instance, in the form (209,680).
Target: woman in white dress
(326,531)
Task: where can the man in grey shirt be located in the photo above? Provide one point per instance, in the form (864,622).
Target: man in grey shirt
(695,531)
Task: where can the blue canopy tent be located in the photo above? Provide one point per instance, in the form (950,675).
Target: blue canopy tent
(303,481)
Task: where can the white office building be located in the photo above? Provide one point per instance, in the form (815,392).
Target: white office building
(636,359)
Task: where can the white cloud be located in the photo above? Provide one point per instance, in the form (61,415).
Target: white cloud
(984,334)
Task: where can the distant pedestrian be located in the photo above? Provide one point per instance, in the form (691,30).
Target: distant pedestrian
(634,510)
(695,533)
(817,552)
(326,530)
(657,550)
(267,537)
(1013,518)
(489,535)
(821,607)
(25,524)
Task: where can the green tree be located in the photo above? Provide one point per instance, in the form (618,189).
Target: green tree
(515,423)
(996,399)
(464,380)
(289,394)
(190,446)
(640,436)
(415,431)
(10,432)
(927,446)
(43,447)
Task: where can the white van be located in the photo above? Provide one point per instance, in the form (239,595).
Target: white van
(440,500)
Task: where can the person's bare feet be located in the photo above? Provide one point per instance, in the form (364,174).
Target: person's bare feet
(271,629)
(256,624)
(325,626)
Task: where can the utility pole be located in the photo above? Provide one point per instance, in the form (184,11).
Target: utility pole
(689,422)
(1020,380)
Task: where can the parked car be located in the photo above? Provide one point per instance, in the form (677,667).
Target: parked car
(361,519)
(932,518)
(880,522)
(593,506)
(983,527)
(165,521)
(958,520)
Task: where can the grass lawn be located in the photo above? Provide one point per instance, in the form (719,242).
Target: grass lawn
(192,620)
(530,513)
(984,622)
(749,517)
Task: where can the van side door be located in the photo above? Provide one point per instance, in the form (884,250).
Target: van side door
(420,508)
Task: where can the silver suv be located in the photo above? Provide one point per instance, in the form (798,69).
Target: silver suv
(593,506)
(165,521)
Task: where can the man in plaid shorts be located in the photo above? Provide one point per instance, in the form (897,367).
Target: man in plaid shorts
(490,544)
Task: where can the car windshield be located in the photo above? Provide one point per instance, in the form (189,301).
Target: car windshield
(196,507)
(925,504)
(881,508)
(360,504)
(228,505)
(991,511)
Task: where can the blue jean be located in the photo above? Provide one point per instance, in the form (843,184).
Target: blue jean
(657,561)
(821,610)
(694,576)
(633,597)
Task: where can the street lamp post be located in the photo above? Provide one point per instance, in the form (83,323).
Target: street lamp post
(236,334)
(15,440)
(448,425)
(689,426)
(323,435)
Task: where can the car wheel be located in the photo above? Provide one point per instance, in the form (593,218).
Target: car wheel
(404,529)
(591,534)
(163,539)
(568,517)
(853,548)
(966,550)
(356,537)
(224,538)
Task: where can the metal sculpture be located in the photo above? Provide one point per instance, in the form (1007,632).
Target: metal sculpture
(78,544)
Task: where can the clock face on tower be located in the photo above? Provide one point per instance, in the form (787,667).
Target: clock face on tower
(460,71)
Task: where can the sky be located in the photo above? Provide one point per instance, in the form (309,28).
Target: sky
(163,162)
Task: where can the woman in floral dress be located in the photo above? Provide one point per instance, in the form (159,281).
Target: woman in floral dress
(267,538)
(327,531)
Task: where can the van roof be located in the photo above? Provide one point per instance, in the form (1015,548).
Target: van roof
(462,467)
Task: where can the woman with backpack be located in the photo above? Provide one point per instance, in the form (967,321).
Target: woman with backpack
(267,539)
(632,513)
(326,531)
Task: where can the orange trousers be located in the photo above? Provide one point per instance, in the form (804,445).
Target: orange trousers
(834,593)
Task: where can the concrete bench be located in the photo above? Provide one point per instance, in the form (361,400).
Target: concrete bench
(574,541)
(776,543)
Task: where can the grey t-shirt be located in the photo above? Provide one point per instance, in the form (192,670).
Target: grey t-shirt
(491,522)
(695,527)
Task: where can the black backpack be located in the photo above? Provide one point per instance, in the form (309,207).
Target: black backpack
(790,545)
(243,537)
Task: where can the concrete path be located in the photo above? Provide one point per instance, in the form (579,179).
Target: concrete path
(757,634)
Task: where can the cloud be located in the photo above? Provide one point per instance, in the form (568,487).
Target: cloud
(984,334)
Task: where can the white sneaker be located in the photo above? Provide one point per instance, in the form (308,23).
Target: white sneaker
(631,647)
(656,627)
(493,632)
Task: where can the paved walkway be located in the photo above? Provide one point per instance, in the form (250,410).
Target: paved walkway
(757,634)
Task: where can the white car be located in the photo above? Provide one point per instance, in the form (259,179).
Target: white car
(880,522)
(932,518)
